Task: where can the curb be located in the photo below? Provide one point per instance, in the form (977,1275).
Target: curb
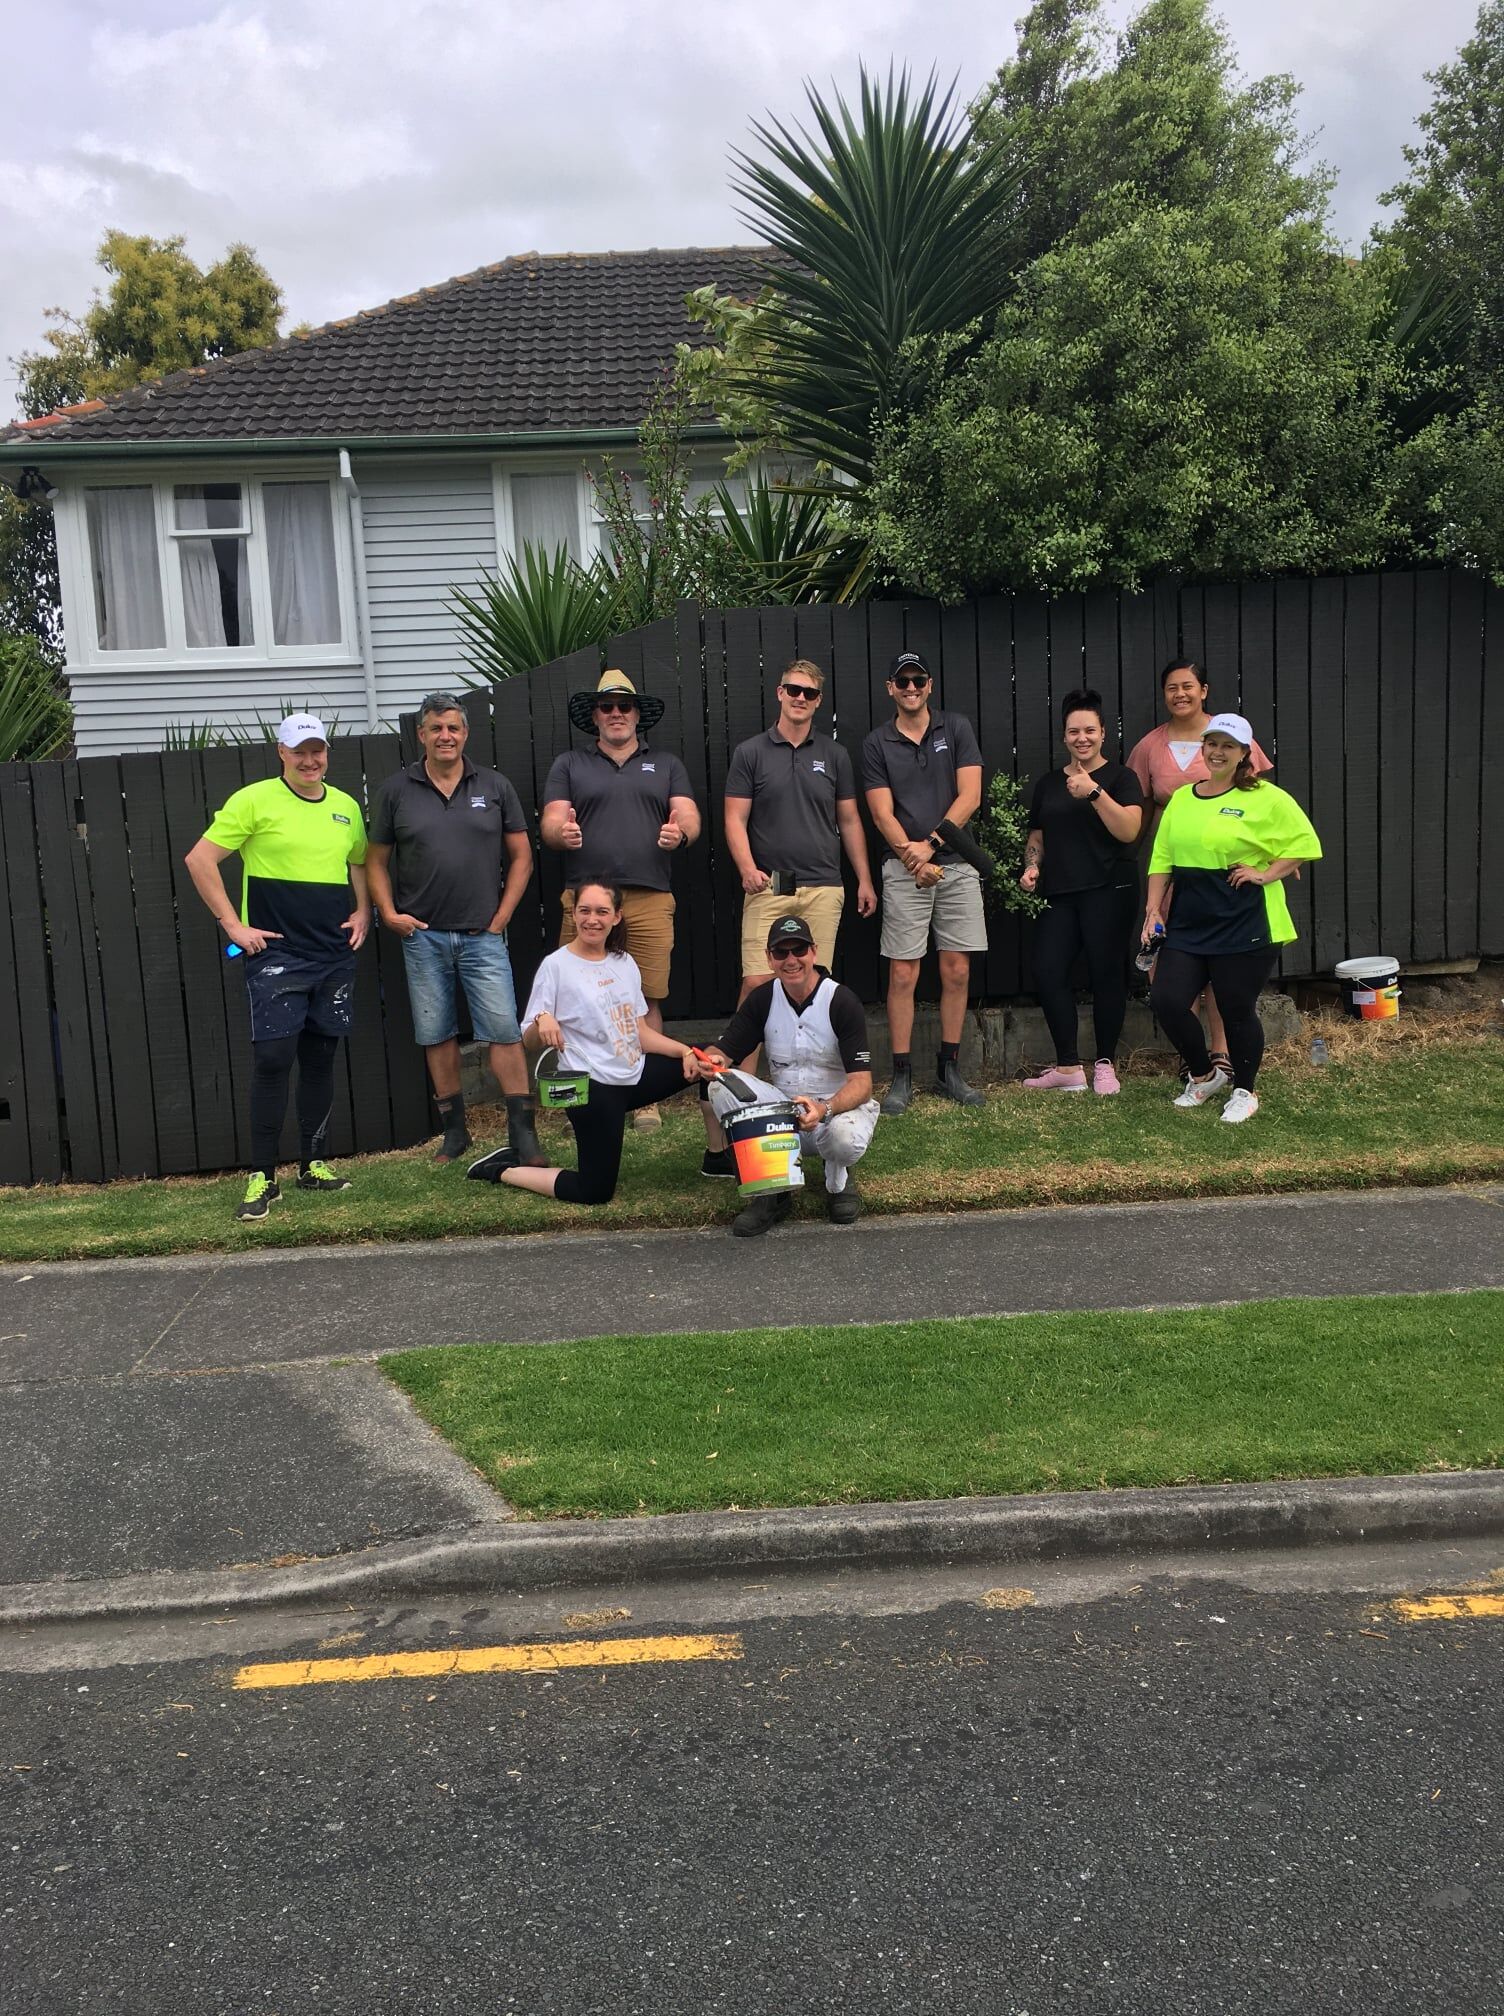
(569,1552)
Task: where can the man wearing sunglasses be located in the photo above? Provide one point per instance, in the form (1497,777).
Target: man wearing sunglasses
(619,811)
(818,1056)
(449,859)
(923,766)
(791,807)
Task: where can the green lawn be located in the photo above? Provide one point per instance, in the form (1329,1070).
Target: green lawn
(1424,1111)
(991,1405)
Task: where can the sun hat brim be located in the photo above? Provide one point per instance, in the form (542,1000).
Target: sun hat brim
(582,707)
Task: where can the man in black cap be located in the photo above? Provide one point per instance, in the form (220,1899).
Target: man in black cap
(815,1031)
(620,810)
(923,766)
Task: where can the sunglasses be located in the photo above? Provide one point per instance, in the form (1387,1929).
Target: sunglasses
(616,706)
(908,679)
(789,950)
(800,692)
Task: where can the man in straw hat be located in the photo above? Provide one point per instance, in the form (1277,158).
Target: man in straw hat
(619,810)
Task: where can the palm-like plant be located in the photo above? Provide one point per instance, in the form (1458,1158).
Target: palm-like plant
(540,607)
(782,544)
(880,224)
(35,719)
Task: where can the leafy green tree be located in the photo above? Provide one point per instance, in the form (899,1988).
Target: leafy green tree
(160,313)
(1449,232)
(1189,380)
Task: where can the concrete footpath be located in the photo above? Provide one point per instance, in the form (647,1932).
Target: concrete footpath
(193,1433)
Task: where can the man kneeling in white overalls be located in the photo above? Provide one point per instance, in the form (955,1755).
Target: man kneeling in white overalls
(815,1032)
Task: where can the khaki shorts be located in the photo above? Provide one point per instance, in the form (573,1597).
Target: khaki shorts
(649,917)
(952,909)
(818,903)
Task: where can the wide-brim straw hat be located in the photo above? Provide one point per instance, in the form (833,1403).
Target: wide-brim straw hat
(582,705)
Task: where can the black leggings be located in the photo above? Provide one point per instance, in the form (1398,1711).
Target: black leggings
(1236,979)
(1101,922)
(600,1124)
(271,1068)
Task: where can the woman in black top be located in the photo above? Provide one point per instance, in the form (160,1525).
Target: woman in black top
(1083,826)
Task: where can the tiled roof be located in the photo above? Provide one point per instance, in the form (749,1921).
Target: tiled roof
(573,341)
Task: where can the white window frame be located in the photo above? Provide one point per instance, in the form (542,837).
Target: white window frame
(539,465)
(79,616)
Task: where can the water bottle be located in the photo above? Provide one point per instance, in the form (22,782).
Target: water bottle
(1319,1053)
(232,952)
(1148,952)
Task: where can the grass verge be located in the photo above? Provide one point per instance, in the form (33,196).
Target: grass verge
(1349,1386)
(1388,1109)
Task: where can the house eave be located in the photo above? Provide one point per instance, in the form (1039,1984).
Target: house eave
(38,448)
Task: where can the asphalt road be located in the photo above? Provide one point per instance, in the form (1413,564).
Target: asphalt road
(1184,1796)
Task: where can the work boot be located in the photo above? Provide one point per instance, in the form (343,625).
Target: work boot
(456,1137)
(522,1132)
(761,1215)
(899,1093)
(844,1206)
(951,1085)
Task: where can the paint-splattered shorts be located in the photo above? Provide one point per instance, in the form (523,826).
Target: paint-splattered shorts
(289,994)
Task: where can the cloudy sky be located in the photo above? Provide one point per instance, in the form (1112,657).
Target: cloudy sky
(368,147)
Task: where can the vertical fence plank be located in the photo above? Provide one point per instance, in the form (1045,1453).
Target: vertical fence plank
(127,1053)
(370,1053)
(1292,730)
(1100,667)
(66,930)
(1396,761)
(1429,761)
(1221,638)
(1251,690)
(1140,667)
(30,1069)
(1363,812)
(997,733)
(1464,777)
(15,1143)
(193,788)
(1491,835)
(725,886)
(94,984)
(154,872)
(1327,804)
(694,870)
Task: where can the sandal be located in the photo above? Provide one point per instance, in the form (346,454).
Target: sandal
(1220,1061)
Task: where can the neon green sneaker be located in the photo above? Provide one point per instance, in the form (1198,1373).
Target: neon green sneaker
(261,1193)
(319,1176)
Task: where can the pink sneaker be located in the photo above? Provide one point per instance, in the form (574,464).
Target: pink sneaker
(1059,1078)
(1104,1080)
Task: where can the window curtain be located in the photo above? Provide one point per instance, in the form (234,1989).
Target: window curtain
(208,565)
(300,562)
(127,570)
(546,512)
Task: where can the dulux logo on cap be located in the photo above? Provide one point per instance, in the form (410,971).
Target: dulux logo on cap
(295,729)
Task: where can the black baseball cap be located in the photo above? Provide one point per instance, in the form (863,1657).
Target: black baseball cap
(904,660)
(793,928)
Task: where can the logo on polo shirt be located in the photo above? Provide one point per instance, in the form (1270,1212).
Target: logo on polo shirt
(940,744)
(818,768)
(340,818)
(647,767)
(1231,812)
(478,804)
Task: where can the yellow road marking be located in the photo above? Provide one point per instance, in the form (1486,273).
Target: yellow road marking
(550,1658)
(1416,1609)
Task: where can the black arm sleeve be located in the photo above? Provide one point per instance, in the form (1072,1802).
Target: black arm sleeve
(849,1020)
(748,1025)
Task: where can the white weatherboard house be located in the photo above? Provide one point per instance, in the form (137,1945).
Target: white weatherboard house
(287,525)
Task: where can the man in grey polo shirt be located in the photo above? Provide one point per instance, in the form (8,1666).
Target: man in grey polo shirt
(449,859)
(791,807)
(619,811)
(921,767)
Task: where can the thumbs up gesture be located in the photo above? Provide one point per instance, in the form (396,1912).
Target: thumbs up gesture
(670,833)
(570,832)
(1078,779)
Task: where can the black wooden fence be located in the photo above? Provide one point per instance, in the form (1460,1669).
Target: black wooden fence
(123,1037)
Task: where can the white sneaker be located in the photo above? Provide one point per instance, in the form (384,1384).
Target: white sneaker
(1197,1094)
(1241,1106)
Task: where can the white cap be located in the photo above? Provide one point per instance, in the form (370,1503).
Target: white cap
(295,729)
(1231,725)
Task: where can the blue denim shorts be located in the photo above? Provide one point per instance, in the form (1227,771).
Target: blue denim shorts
(478,960)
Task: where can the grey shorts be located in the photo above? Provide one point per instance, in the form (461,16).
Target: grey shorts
(952,910)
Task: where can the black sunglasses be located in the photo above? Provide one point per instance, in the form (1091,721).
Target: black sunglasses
(789,950)
(908,679)
(800,692)
(616,706)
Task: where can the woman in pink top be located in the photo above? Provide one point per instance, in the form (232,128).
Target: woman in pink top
(1167,758)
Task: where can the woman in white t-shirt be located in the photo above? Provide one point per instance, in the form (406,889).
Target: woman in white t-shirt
(587,1003)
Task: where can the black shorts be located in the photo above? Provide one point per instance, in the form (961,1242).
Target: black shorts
(289,993)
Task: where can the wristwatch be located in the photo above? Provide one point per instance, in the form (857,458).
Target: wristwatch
(1093,796)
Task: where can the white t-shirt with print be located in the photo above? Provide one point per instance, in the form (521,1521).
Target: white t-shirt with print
(596,1002)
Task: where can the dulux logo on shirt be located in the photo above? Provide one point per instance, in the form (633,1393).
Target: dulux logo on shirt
(649,767)
(818,768)
(477,804)
(340,818)
(1231,812)
(940,744)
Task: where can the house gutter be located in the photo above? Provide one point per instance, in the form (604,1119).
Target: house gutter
(362,587)
(38,445)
